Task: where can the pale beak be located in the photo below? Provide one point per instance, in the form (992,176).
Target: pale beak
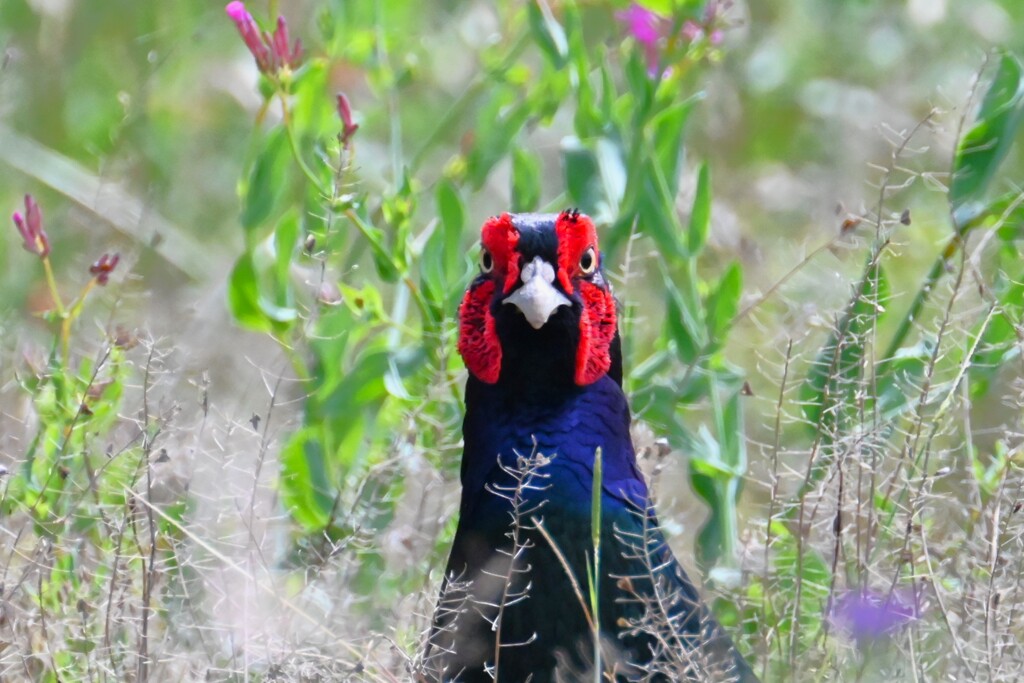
(537,298)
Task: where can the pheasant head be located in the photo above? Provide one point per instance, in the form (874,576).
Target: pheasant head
(541,308)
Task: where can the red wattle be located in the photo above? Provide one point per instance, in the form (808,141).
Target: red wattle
(597,330)
(478,339)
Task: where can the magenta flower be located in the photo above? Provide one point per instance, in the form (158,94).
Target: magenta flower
(348,126)
(102,269)
(645,25)
(654,31)
(648,28)
(272,52)
(30,226)
(870,615)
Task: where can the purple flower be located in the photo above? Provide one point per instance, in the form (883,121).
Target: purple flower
(348,127)
(271,52)
(102,269)
(30,226)
(869,615)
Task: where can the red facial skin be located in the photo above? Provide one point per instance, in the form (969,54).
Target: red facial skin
(478,339)
(479,345)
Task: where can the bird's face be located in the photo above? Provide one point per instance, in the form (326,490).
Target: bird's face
(540,301)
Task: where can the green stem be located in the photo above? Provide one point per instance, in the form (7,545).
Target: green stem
(728,526)
(65,321)
(51,282)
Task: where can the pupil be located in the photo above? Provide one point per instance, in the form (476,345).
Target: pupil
(587,261)
(487,261)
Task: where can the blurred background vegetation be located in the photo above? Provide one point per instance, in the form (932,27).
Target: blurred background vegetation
(279,333)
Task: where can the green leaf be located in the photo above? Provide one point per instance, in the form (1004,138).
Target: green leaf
(264,191)
(832,379)
(243,296)
(700,215)
(898,381)
(335,328)
(357,397)
(286,242)
(397,210)
(453,221)
(261,296)
(443,261)
(582,176)
(1005,214)
(548,34)
(81,645)
(724,303)
(666,131)
(712,479)
(306,485)
(983,148)
(272,260)
(811,571)
(313,115)
(595,176)
(660,179)
(497,125)
(683,325)
(382,258)
(999,348)
(526,180)
(641,85)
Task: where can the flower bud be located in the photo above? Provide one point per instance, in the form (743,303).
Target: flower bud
(30,226)
(271,52)
(348,126)
(102,268)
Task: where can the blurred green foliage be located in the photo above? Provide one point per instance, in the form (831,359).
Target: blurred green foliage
(708,167)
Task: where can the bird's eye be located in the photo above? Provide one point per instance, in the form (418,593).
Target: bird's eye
(486,261)
(588,262)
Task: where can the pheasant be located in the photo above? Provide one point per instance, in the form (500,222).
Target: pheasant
(544,399)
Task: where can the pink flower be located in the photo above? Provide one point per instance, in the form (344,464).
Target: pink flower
(30,226)
(692,30)
(271,52)
(102,269)
(279,42)
(250,33)
(348,127)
